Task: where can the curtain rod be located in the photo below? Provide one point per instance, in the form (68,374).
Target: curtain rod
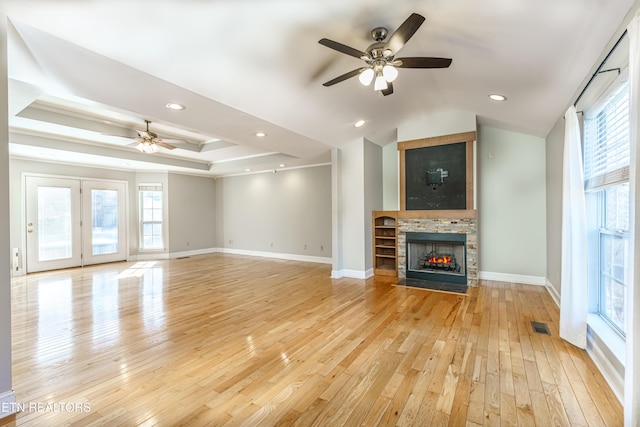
(598,71)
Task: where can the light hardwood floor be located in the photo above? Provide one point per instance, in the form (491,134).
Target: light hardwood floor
(231,340)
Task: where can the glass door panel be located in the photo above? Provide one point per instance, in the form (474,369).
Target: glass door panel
(104,213)
(104,222)
(53,223)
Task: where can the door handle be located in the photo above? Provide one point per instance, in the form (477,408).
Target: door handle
(29,231)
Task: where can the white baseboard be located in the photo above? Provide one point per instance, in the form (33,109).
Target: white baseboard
(193,253)
(290,257)
(7,403)
(352,274)
(148,257)
(18,272)
(515,278)
(553,292)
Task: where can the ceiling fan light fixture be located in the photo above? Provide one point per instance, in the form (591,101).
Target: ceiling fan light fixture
(366,77)
(147,147)
(389,72)
(381,83)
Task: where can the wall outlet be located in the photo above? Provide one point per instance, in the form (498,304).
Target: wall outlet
(15,259)
(187,243)
(231,242)
(305,247)
(321,248)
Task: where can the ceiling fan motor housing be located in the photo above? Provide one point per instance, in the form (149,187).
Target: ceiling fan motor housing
(379,33)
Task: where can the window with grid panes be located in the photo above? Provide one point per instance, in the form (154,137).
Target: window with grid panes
(606,168)
(151,217)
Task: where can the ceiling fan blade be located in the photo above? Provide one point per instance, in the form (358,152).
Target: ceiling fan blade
(404,33)
(344,49)
(422,62)
(388,90)
(164,145)
(344,77)
(174,141)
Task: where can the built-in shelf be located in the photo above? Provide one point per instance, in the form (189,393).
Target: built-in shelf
(385,249)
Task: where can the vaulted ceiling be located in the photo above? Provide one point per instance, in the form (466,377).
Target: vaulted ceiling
(83,76)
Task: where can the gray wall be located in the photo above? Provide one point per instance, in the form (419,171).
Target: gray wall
(511,203)
(554,152)
(191,213)
(372,195)
(279,213)
(5,282)
(351,207)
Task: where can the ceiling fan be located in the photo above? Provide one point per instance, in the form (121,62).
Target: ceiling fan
(150,142)
(381,63)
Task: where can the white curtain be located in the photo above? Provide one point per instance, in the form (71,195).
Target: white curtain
(632,365)
(574,299)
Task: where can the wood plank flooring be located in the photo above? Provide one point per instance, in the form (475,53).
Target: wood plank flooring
(222,340)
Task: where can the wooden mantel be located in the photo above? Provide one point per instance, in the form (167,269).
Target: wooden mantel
(468,138)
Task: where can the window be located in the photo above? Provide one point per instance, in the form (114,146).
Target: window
(606,167)
(151,217)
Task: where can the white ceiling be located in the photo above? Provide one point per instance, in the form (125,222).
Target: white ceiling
(79,70)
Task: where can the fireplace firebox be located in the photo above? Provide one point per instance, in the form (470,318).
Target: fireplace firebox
(437,257)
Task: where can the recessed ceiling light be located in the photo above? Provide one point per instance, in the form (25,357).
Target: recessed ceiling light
(247,170)
(282,165)
(261,134)
(359,123)
(174,106)
(497,97)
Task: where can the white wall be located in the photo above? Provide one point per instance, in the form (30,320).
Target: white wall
(351,207)
(511,206)
(437,124)
(191,213)
(6,392)
(359,193)
(284,213)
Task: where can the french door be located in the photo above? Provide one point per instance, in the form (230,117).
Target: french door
(72,222)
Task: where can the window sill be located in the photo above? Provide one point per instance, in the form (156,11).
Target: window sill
(610,338)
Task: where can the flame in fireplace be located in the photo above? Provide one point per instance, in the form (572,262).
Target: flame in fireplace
(443,259)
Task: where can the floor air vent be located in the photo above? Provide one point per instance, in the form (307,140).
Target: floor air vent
(540,328)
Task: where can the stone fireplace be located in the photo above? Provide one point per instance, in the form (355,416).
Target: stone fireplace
(420,239)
